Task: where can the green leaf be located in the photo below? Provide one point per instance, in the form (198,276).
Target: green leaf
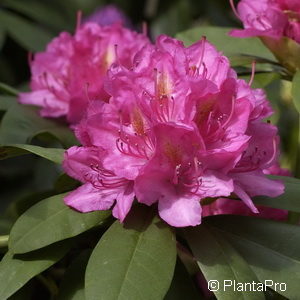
(52,154)
(22,123)
(289,200)
(6,102)
(50,221)
(182,286)
(134,261)
(218,260)
(296,90)
(41,12)
(29,35)
(178,9)
(272,249)
(15,271)
(285,50)
(65,183)
(230,46)
(72,285)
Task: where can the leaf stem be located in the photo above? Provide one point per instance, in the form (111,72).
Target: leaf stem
(8,89)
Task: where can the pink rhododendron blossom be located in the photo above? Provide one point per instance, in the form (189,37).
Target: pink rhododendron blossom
(71,71)
(179,127)
(271,18)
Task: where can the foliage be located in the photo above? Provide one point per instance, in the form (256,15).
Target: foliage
(64,254)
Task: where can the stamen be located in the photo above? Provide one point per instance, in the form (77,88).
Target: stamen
(203,42)
(252,72)
(145,28)
(116,54)
(231,112)
(86,90)
(234,9)
(30,58)
(274,151)
(78,20)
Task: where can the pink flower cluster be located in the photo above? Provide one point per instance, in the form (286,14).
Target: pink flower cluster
(270,18)
(70,73)
(179,127)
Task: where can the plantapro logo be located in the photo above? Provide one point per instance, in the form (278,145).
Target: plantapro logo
(233,285)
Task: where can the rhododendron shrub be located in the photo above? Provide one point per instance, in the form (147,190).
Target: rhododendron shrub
(155,168)
(179,127)
(70,73)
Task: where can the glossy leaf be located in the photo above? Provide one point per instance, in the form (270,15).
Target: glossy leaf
(296,90)
(134,261)
(53,154)
(272,249)
(289,200)
(41,12)
(230,46)
(50,221)
(218,260)
(6,102)
(285,50)
(30,36)
(22,123)
(15,271)
(72,285)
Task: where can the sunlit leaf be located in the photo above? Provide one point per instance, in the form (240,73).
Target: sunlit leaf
(53,154)
(219,261)
(296,90)
(272,249)
(22,123)
(134,261)
(230,46)
(50,221)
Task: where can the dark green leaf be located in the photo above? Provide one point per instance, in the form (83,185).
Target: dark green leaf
(230,46)
(6,102)
(182,286)
(296,90)
(41,12)
(29,35)
(135,261)
(22,123)
(50,221)
(65,183)
(272,249)
(167,22)
(289,200)
(15,271)
(218,260)
(72,285)
(52,154)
